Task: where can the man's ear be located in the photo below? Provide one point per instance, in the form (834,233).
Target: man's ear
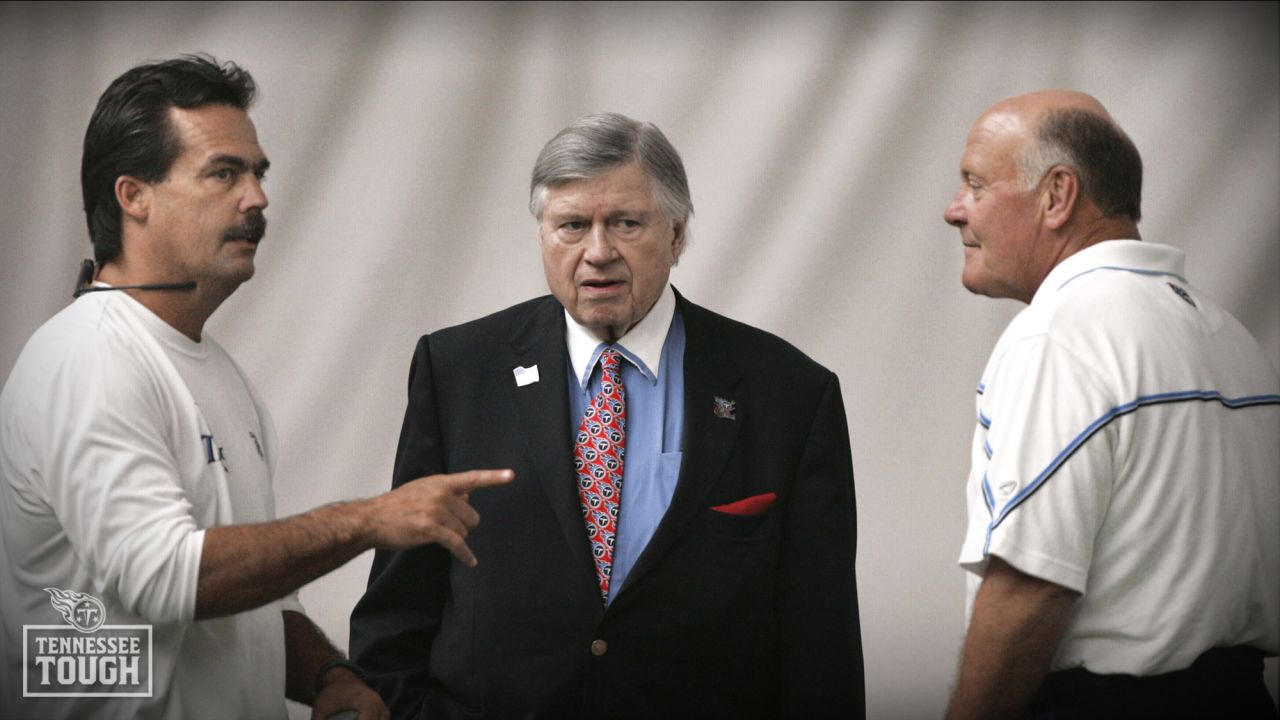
(134,197)
(1061,193)
(677,239)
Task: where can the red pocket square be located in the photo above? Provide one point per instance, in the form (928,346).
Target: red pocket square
(754,505)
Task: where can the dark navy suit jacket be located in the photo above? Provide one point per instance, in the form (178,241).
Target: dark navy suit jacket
(724,615)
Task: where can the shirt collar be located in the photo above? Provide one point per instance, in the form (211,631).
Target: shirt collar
(162,330)
(1127,255)
(641,346)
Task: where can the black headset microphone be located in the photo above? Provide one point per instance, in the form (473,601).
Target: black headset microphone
(86,277)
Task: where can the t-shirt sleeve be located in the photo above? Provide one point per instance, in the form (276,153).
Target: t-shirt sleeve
(112,481)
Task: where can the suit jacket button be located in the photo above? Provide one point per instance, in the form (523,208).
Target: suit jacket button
(599,647)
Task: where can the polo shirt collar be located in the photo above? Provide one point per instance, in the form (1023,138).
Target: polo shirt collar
(641,346)
(1126,255)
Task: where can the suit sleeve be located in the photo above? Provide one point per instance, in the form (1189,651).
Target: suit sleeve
(821,638)
(395,623)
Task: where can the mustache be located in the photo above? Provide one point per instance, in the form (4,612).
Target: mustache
(252,228)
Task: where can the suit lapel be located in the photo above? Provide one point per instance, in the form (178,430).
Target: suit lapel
(709,374)
(542,414)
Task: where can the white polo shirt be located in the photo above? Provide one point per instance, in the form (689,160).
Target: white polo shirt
(1128,448)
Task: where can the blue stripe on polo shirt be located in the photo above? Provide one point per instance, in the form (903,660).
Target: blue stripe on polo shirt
(1123,269)
(1096,425)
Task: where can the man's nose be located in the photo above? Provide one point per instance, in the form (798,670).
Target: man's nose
(255,197)
(954,214)
(600,248)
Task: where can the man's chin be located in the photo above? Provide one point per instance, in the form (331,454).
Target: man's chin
(992,289)
(976,278)
(981,288)
(243,268)
(606,326)
(971,286)
(230,275)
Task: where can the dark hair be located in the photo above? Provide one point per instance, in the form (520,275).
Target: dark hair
(130,133)
(1107,161)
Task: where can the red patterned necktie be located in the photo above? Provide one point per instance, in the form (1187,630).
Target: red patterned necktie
(597,457)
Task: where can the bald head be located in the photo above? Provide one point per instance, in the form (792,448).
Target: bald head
(1043,176)
(1071,129)
(1033,106)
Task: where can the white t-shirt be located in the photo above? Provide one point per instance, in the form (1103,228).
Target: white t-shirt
(1128,448)
(121,440)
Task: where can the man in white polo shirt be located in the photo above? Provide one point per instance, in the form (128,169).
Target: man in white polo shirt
(1123,550)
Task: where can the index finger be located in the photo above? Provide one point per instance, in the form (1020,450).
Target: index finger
(473,479)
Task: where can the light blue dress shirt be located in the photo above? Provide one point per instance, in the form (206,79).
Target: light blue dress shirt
(653,376)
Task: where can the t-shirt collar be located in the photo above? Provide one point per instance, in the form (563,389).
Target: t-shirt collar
(163,331)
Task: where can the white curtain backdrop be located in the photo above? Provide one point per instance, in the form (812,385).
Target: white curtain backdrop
(821,142)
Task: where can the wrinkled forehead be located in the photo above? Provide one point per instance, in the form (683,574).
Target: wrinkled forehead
(1000,125)
(210,130)
(995,138)
(623,186)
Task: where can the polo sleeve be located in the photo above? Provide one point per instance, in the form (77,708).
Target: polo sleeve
(1049,448)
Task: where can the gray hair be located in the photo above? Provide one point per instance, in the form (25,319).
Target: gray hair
(598,143)
(1103,157)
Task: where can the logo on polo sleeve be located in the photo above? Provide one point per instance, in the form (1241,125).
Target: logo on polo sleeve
(85,657)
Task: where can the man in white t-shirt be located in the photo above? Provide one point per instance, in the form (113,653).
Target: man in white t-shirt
(143,573)
(1123,550)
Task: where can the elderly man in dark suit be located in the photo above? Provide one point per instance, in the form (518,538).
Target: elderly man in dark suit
(680,537)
